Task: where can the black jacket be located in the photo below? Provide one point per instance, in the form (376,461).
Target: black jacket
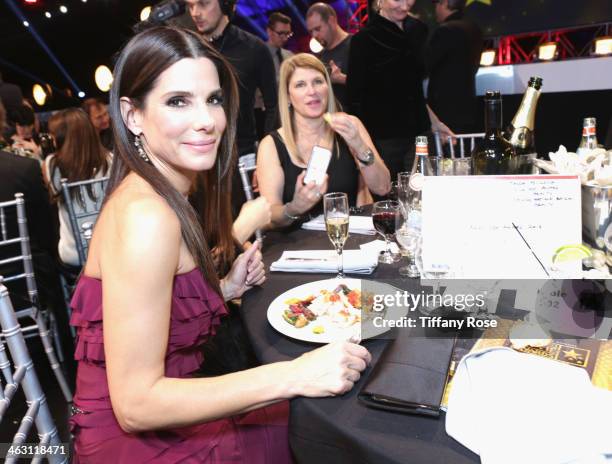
(254,68)
(453,58)
(385,74)
(23,175)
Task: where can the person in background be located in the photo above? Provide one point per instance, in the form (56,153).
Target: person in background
(279,32)
(322,24)
(452,58)
(305,96)
(79,156)
(385,82)
(150,295)
(25,140)
(98,115)
(20,174)
(11,96)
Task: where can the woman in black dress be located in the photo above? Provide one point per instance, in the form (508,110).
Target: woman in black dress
(305,97)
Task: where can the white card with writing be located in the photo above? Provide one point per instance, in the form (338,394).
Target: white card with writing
(501,227)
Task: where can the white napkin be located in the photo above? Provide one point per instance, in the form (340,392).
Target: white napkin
(511,407)
(355,262)
(357,225)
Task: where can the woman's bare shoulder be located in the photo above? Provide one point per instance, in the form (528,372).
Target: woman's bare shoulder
(134,221)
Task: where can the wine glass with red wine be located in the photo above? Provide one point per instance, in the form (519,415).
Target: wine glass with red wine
(386,216)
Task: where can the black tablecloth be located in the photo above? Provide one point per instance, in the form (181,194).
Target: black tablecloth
(340,429)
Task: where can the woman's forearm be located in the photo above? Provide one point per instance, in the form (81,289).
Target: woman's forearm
(283,215)
(377,177)
(172,402)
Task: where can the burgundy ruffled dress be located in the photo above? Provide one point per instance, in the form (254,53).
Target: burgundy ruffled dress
(256,437)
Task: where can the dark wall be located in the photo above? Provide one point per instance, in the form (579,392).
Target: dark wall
(559,117)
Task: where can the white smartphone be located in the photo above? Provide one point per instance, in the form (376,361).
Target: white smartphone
(317,165)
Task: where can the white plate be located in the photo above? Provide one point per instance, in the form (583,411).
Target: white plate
(332,331)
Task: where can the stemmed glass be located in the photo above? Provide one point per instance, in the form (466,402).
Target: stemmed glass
(408,239)
(386,216)
(336,208)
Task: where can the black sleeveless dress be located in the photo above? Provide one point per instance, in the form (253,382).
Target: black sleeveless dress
(342,171)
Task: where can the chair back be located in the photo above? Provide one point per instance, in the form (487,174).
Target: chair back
(247,164)
(26,272)
(83,210)
(23,375)
(23,252)
(462,139)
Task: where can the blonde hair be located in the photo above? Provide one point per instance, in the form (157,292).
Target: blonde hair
(301,60)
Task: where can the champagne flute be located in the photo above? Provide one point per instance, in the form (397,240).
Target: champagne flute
(386,216)
(335,206)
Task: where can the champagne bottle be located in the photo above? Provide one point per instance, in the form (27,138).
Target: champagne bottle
(589,136)
(520,132)
(494,154)
(421,167)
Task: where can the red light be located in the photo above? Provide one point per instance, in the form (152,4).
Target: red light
(31,1)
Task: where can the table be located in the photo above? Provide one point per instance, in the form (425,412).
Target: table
(340,429)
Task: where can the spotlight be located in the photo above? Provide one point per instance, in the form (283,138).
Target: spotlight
(547,51)
(603,46)
(81,93)
(39,94)
(26,24)
(47,14)
(63,9)
(487,58)
(145,13)
(104,78)
(315,46)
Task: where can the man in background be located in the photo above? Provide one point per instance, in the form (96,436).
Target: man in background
(279,32)
(452,59)
(322,24)
(251,59)
(98,115)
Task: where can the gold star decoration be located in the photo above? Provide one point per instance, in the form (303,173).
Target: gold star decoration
(486,2)
(571,354)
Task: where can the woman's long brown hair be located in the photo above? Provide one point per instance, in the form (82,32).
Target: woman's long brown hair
(80,154)
(138,68)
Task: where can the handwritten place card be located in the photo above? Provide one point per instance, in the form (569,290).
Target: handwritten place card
(470,225)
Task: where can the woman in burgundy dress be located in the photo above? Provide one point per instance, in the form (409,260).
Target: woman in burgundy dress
(149,295)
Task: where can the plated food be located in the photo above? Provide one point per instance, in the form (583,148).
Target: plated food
(340,307)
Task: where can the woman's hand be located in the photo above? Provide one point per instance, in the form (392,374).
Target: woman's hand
(347,127)
(330,370)
(306,196)
(246,272)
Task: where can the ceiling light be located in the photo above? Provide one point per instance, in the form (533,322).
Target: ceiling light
(315,46)
(144,14)
(39,94)
(487,58)
(547,51)
(47,14)
(26,24)
(63,9)
(81,94)
(103,78)
(603,46)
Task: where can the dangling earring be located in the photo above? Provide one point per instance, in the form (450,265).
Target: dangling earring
(140,148)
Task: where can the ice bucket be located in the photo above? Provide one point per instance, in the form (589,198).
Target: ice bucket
(596,213)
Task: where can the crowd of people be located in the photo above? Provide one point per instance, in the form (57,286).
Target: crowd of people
(183,108)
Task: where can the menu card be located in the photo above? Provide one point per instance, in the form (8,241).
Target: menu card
(500,226)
